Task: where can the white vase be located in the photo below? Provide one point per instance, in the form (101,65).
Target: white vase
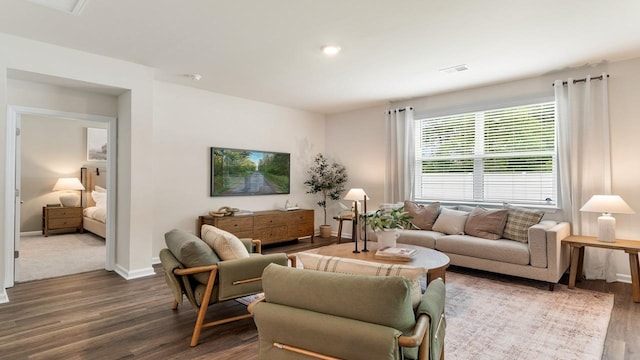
(387,238)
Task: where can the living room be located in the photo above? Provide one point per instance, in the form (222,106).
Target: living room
(167,124)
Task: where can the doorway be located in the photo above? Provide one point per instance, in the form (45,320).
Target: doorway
(13,176)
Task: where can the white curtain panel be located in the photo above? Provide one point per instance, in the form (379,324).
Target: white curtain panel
(585,161)
(400,155)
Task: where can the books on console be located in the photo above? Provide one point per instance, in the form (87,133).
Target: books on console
(396,253)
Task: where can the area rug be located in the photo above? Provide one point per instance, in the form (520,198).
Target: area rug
(58,255)
(491,319)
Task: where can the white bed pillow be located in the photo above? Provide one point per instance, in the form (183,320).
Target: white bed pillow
(100,198)
(99,189)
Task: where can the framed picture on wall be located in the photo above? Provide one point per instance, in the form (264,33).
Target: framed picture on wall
(96,144)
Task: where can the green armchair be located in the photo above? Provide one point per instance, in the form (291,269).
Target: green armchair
(307,313)
(193,270)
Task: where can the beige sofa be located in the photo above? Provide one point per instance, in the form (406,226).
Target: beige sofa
(541,256)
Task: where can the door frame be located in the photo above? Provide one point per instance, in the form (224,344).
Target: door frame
(11,225)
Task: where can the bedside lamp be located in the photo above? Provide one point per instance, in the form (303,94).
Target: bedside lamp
(69,185)
(607,205)
(355,195)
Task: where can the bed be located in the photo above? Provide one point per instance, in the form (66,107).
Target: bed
(94,201)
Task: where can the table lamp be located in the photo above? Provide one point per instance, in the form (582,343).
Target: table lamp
(355,195)
(607,205)
(69,197)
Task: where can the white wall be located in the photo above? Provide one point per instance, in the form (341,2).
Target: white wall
(188,121)
(356,139)
(133,235)
(624,95)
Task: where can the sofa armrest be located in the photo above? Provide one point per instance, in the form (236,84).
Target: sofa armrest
(538,243)
(558,255)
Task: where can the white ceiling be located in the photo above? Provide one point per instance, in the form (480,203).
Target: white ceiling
(269,50)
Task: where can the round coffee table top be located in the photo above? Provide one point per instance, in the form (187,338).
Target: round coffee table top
(429,259)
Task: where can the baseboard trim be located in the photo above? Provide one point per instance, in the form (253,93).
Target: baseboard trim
(135,274)
(623,278)
(29,233)
(155,260)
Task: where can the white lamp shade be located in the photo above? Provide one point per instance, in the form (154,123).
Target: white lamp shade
(68,184)
(607,204)
(356,194)
(69,198)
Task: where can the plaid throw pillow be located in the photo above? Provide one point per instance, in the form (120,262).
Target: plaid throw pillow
(518,223)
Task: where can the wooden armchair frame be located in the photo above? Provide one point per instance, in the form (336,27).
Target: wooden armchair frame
(202,310)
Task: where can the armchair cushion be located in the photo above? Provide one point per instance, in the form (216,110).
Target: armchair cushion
(191,251)
(230,271)
(380,300)
(361,267)
(321,333)
(226,245)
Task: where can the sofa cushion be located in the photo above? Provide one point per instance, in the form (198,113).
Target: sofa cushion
(424,238)
(361,267)
(190,251)
(450,221)
(488,224)
(499,250)
(422,217)
(519,221)
(226,245)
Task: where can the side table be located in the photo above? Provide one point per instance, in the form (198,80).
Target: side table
(57,218)
(340,219)
(578,243)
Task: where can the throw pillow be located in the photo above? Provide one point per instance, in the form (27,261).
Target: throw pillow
(361,267)
(100,198)
(190,251)
(451,222)
(422,217)
(226,245)
(487,224)
(518,223)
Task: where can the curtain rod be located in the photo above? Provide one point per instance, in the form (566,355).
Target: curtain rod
(582,80)
(399,110)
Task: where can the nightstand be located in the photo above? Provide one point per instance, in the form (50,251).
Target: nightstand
(57,218)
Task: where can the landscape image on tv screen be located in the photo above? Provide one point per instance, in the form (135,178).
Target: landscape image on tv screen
(248,172)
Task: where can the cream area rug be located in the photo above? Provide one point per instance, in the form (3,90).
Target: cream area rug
(58,255)
(490,319)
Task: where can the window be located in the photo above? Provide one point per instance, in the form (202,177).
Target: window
(491,156)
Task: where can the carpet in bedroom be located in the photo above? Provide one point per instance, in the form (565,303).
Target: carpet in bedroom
(58,255)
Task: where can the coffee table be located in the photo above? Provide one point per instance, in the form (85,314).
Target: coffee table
(434,262)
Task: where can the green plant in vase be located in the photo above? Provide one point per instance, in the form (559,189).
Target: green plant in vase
(386,223)
(328,179)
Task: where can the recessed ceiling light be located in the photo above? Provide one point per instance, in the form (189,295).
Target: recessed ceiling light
(69,6)
(455,69)
(330,50)
(195,77)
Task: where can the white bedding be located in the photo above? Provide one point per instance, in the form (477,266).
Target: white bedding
(96,213)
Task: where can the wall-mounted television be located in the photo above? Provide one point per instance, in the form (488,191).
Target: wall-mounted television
(237,172)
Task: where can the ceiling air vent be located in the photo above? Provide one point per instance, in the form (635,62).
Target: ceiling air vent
(455,69)
(73,7)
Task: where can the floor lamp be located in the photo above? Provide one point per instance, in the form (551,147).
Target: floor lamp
(357,194)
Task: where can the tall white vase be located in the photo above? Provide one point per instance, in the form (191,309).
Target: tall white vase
(387,238)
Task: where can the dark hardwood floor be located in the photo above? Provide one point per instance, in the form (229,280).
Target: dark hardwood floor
(99,315)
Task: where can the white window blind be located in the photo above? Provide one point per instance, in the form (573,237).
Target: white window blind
(491,156)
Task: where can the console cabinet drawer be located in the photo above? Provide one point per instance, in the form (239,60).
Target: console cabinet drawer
(267,226)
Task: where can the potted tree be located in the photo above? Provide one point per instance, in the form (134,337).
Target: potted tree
(328,179)
(386,223)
